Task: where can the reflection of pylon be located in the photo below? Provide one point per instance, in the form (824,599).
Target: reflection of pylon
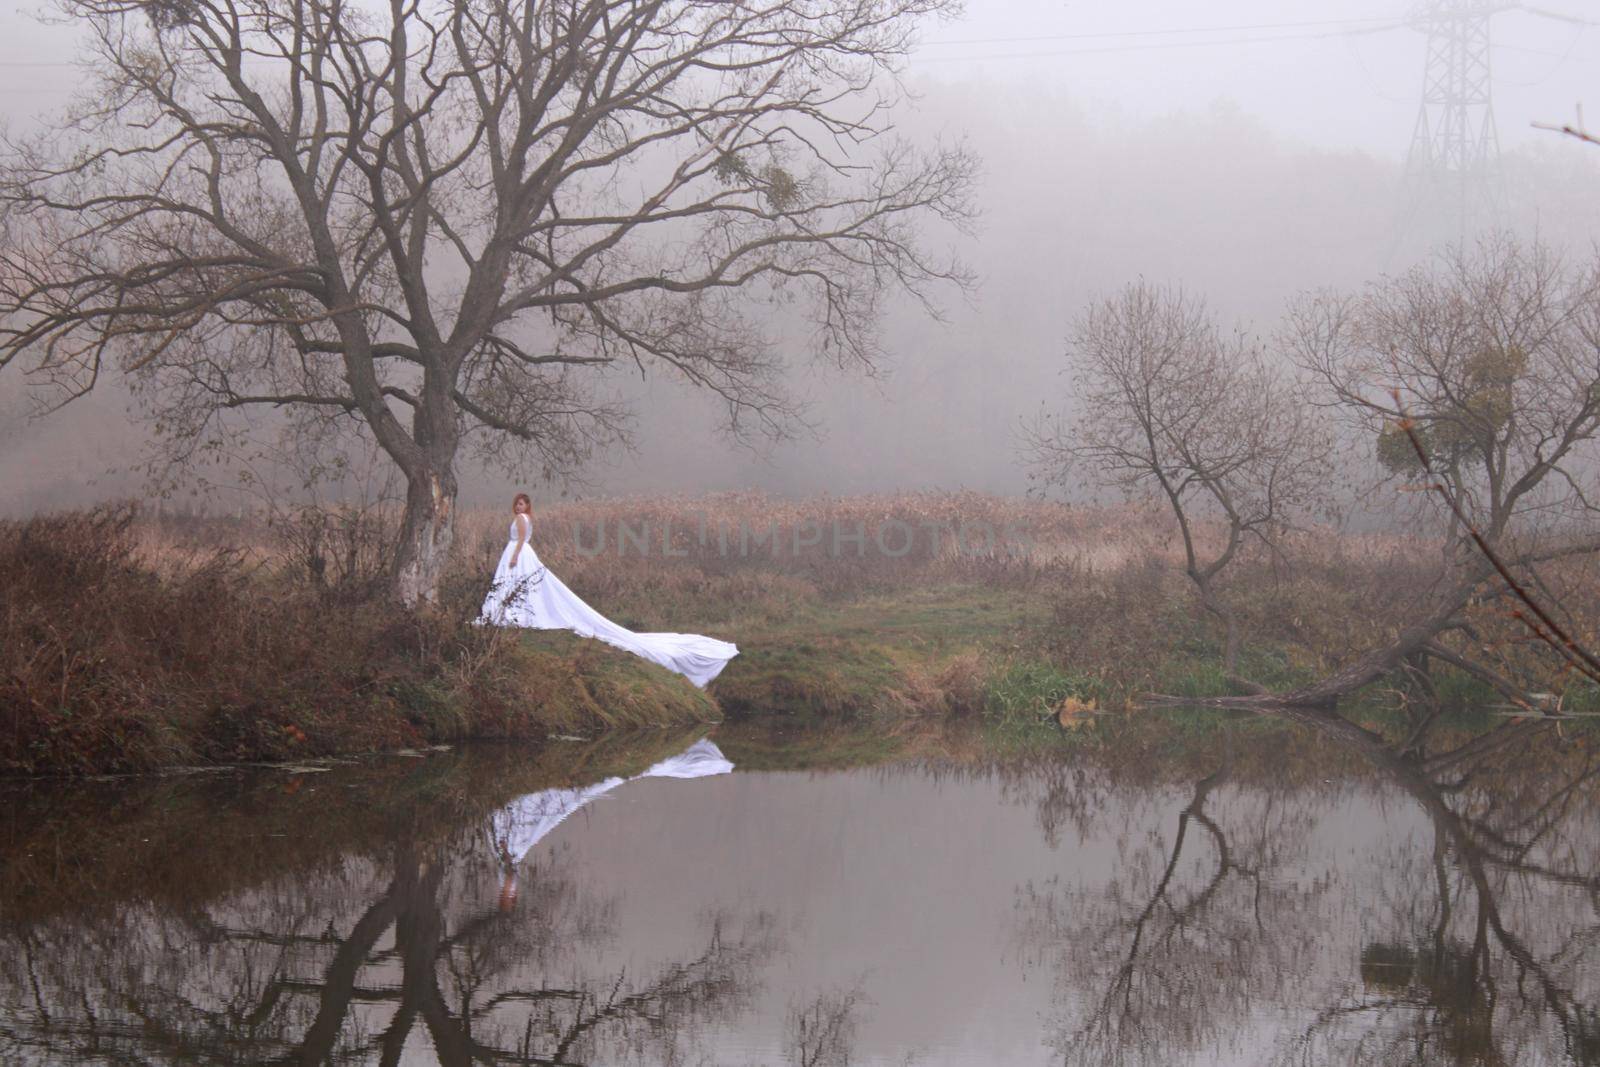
(1453,170)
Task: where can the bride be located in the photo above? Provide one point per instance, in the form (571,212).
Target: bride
(525,593)
(527,820)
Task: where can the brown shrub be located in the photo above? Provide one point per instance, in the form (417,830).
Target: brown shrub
(108,662)
(1319,602)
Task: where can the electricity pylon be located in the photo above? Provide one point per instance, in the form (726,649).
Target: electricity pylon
(1453,178)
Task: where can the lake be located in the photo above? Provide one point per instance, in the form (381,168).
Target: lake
(1249,891)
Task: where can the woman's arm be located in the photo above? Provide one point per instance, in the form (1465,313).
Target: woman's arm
(523,526)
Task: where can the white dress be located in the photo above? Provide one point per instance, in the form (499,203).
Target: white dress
(521,824)
(527,594)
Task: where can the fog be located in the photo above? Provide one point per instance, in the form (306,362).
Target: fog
(1249,162)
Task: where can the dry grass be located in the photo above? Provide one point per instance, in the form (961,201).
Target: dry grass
(1322,601)
(117,656)
(133,642)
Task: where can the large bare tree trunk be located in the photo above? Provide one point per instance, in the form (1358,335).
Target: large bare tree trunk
(426,536)
(428,530)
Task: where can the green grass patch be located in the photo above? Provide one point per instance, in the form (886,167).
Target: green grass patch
(873,654)
(558,681)
(818,676)
(1031,690)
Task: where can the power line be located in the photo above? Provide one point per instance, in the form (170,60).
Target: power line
(1354,28)
(1162,45)
(1559,16)
(1373,25)
(1162,33)
(1561,60)
(1372,80)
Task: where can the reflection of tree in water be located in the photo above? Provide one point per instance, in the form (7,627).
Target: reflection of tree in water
(821,1033)
(1482,960)
(1155,945)
(1475,951)
(298,974)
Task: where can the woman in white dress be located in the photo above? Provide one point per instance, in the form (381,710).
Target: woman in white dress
(526,594)
(525,821)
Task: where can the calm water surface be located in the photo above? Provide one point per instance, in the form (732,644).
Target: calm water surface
(1249,895)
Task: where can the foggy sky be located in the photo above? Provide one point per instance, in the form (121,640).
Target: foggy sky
(1243,168)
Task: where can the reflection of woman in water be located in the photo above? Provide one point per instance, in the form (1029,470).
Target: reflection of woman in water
(508,882)
(525,593)
(524,822)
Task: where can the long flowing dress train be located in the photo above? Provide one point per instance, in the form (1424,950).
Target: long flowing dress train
(525,821)
(527,594)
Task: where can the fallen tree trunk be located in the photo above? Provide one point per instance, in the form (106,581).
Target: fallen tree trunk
(1363,671)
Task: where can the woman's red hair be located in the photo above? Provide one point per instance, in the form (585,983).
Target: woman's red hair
(525,499)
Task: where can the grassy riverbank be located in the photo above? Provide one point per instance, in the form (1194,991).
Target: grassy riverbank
(132,643)
(120,658)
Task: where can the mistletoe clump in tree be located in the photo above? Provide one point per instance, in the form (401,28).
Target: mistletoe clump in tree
(1479,379)
(1458,430)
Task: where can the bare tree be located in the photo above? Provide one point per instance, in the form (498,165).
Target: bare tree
(1174,406)
(1481,379)
(822,1033)
(436,217)
(1510,907)
(1471,951)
